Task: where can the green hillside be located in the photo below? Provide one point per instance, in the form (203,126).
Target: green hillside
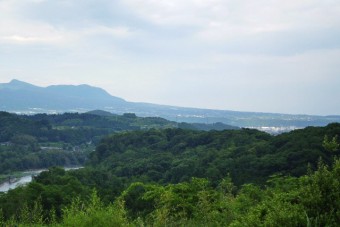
(178,177)
(42,140)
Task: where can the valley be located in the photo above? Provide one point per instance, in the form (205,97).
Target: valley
(182,113)
(153,165)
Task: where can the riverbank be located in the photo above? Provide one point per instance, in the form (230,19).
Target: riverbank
(20,178)
(13,180)
(10,177)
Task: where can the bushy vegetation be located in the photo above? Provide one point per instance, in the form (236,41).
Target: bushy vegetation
(310,200)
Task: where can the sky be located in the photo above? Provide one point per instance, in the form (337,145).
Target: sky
(245,55)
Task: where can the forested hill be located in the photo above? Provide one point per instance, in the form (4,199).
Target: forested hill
(176,155)
(42,141)
(77,128)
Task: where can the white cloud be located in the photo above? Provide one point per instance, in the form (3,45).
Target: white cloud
(118,32)
(15,27)
(225,19)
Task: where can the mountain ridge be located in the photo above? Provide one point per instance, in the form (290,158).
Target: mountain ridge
(22,97)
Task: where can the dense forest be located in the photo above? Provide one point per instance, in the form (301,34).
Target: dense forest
(176,155)
(41,140)
(183,177)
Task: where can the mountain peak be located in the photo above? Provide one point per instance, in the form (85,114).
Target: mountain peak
(17,84)
(15,81)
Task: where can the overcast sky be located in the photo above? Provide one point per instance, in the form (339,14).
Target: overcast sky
(247,55)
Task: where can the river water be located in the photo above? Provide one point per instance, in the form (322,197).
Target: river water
(27,177)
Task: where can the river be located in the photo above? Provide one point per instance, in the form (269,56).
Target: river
(25,179)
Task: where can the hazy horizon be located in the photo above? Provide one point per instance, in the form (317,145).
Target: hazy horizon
(263,56)
(163,103)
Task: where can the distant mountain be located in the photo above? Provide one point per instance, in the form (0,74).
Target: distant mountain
(22,97)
